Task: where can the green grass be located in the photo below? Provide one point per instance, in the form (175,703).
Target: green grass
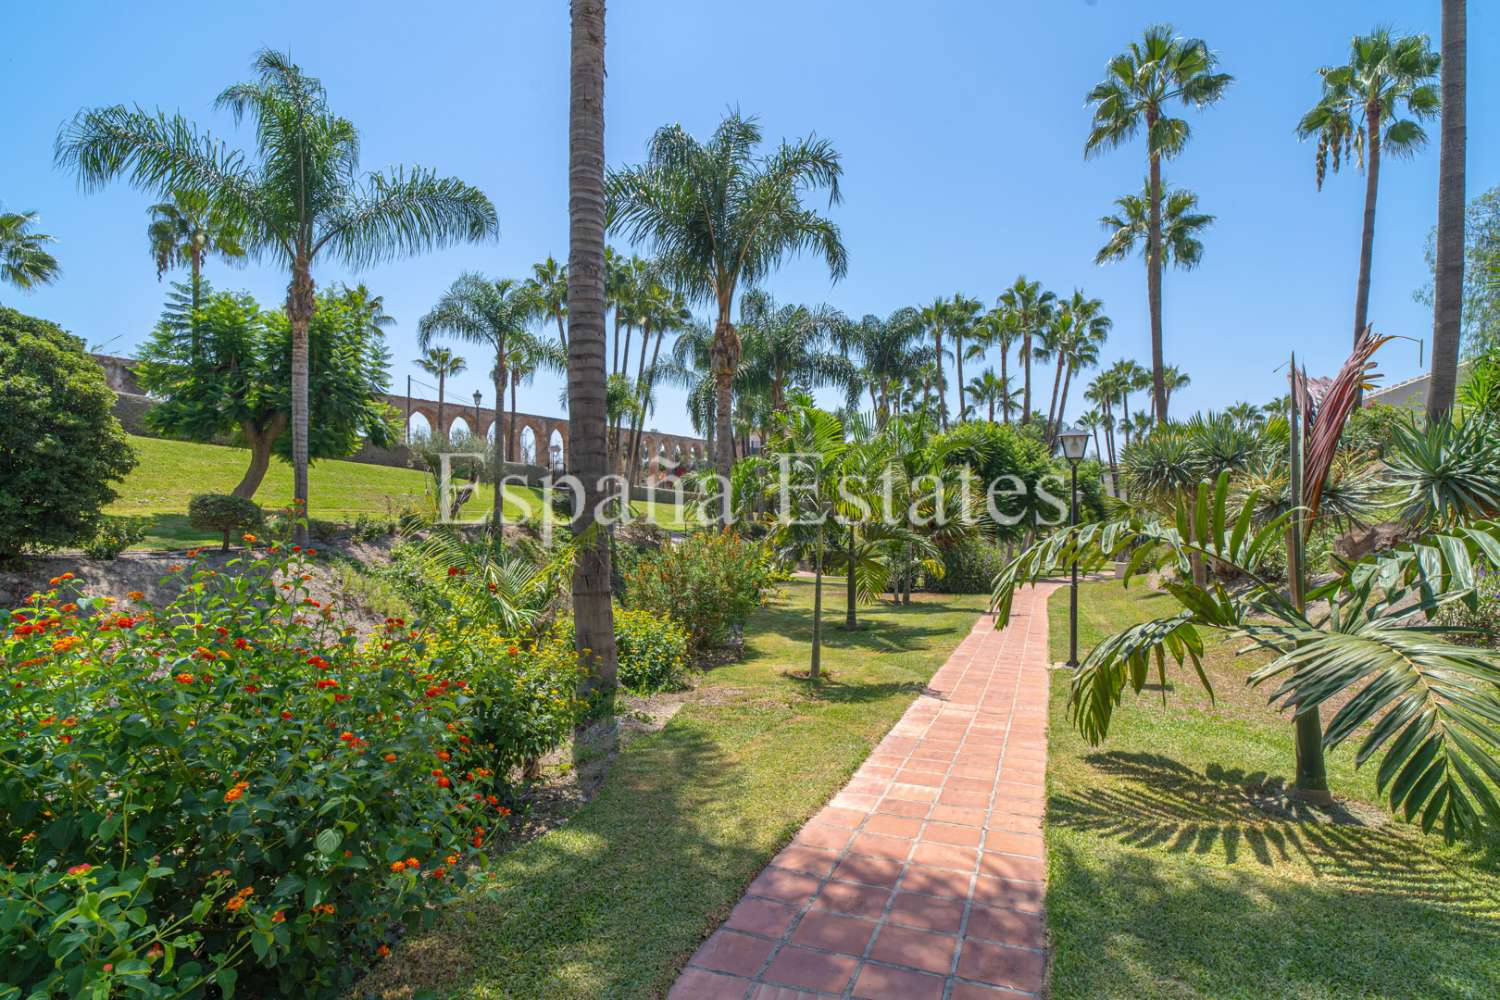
(1167,879)
(613,903)
(171,472)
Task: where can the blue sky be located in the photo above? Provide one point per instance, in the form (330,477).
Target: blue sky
(961,126)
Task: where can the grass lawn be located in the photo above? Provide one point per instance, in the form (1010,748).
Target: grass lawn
(613,903)
(171,472)
(1167,879)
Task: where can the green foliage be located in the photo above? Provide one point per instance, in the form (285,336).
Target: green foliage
(1480,391)
(652,649)
(970,566)
(368,527)
(709,583)
(115,535)
(1448,471)
(1367,435)
(225,514)
(1426,704)
(230,790)
(995,453)
(63,449)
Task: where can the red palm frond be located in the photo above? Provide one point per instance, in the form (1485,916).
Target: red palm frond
(1324,421)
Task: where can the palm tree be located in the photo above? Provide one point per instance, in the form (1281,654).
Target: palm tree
(1181,224)
(1141,82)
(1088,330)
(1129,377)
(1091,421)
(963,314)
(440,362)
(23,261)
(786,347)
(1104,392)
(990,390)
(937,317)
(1245,415)
(664,310)
(187,228)
(1032,309)
(526,355)
(1359,112)
(997,328)
(301,200)
(488,312)
(593,615)
(717,215)
(1174,378)
(1448,270)
(888,349)
(549,285)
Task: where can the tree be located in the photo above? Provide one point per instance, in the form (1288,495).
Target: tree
(23,260)
(549,285)
(1129,377)
(997,328)
(593,615)
(1088,329)
(1174,378)
(989,390)
(717,215)
(666,310)
(1480,323)
(232,373)
(64,450)
(1448,297)
(488,312)
(1359,113)
(962,317)
(1104,392)
(937,317)
(786,347)
(1181,224)
(1032,309)
(527,354)
(1141,84)
(888,348)
(302,199)
(440,362)
(185,229)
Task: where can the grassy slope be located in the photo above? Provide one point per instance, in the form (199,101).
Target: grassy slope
(171,472)
(1167,881)
(613,903)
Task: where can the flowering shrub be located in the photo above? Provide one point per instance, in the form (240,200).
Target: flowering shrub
(708,583)
(230,790)
(652,650)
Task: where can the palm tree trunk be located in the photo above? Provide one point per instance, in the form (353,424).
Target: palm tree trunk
(260,441)
(724,358)
(640,419)
(510,446)
(1005,384)
(958,359)
(1153,283)
(1062,405)
(942,395)
(300,303)
(992,409)
(440,432)
(500,434)
(1448,277)
(1367,234)
(851,620)
(817,623)
(562,333)
(592,614)
(1049,433)
(196,258)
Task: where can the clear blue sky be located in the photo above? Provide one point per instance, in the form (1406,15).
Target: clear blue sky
(961,126)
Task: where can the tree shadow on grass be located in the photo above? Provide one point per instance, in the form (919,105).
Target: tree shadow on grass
(888,635)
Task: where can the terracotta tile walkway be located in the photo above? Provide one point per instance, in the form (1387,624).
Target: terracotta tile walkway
(923,878)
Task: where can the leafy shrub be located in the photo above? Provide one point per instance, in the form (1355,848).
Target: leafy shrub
(1483,619)
(708,583)
(63,449)
(224,513)
(368,527)
(228,790)
(114,535)
(970,566)
(652,650)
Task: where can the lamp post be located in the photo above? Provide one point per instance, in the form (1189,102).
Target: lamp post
(1074,441)
(477,397)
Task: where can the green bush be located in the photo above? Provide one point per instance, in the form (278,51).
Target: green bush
(229,790)
(115,535)
(62,448)
(225,514)
(652,650)
(970,566)
(708,583)
(368,527)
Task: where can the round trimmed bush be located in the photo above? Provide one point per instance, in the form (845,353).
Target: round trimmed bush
(61,448)
(224,513)
(970,566)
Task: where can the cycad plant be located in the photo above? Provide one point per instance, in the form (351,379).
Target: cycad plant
(1448,470)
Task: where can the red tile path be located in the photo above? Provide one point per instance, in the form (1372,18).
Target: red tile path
(923,878)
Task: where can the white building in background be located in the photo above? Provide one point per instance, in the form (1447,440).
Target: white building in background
(1410,394)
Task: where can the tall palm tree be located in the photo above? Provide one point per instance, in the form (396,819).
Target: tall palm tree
(888,349)
(1104,392)
(990,390)
(1359,112)
(717,215)
(1088,330)
(1448,276)
(1091,421)
(23,260)
(593,615)
(1142,82)
(440,362)
(1174,378)
(301,199)
(526,354)
(185,229)
(663,310)
(1032,308)
(787,347)
(1130,377)
(963,314)
(1181,224)
(549,285)
(998,328)
(488,312)
(937,317)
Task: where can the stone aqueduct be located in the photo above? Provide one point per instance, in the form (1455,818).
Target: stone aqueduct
(539,440)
